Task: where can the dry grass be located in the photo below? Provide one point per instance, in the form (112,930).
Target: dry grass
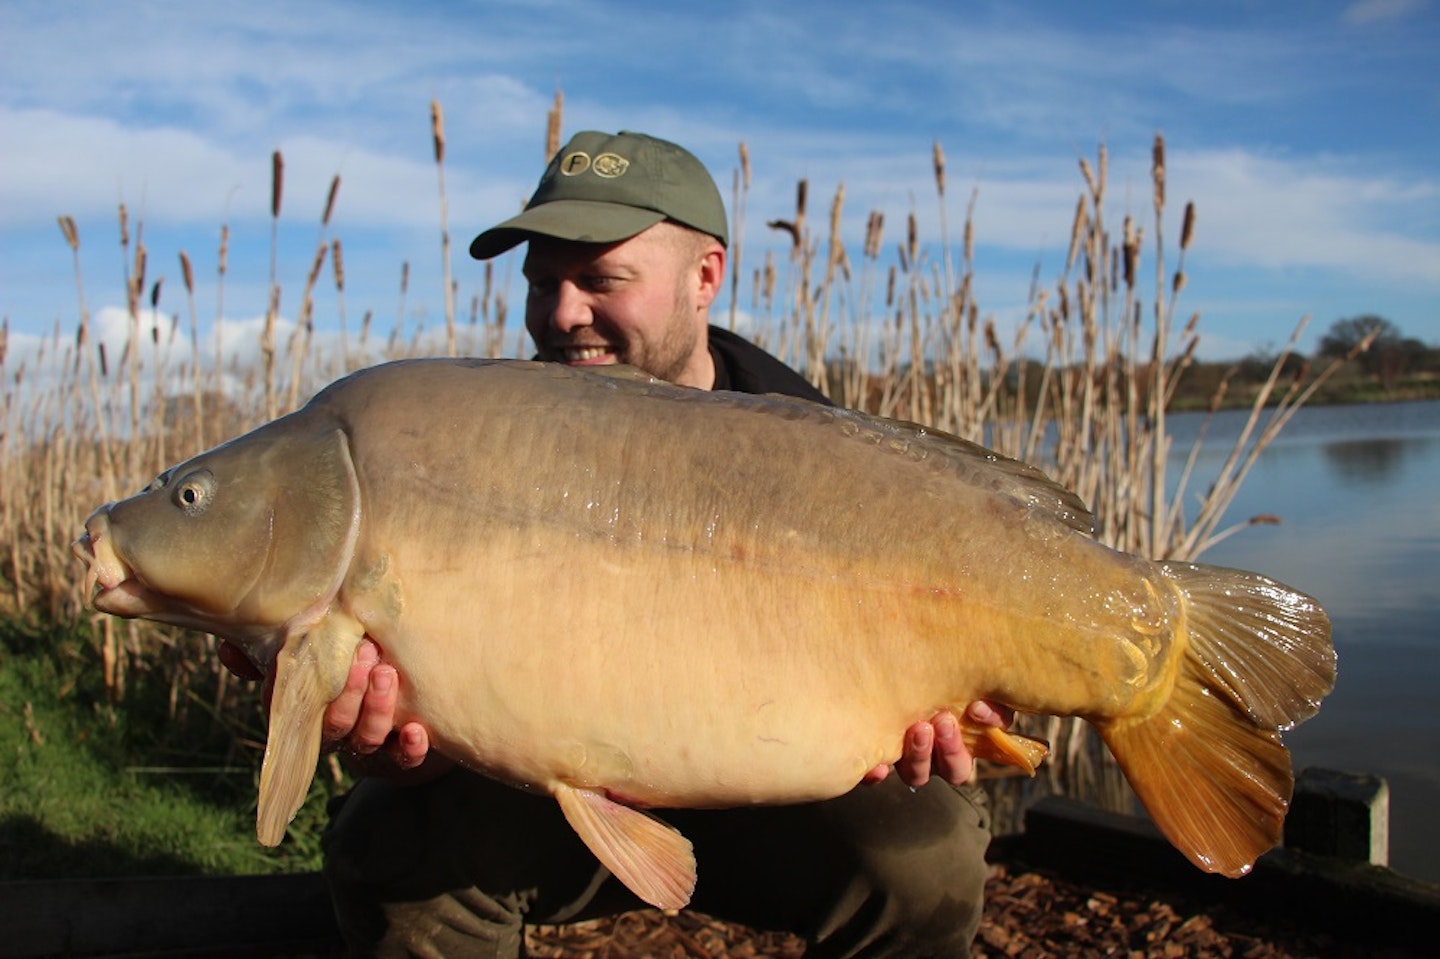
(1081,387)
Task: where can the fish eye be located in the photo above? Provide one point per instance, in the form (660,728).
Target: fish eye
(194,492)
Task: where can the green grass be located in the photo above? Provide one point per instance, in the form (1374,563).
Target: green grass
(89,788)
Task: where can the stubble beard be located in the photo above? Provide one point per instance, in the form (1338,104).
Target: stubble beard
(671,356)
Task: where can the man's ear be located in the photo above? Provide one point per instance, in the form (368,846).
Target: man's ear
(711,275)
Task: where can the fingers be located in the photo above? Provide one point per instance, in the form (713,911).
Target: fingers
(931,749)
(410,746)
(935,748)
(377,713)
(342,715)
(877,775)
(951,760)
(406,758)
(990,714)
(363,719)
(913,766)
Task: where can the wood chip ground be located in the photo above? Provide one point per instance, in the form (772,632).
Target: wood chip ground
(1028,914)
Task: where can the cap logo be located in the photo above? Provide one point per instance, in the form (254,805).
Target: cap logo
(574,164)
(610,165)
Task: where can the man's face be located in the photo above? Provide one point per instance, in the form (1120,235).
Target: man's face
(643,301)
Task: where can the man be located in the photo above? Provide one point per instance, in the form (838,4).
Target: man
(627,244)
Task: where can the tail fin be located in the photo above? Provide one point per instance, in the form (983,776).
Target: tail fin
(1209,765)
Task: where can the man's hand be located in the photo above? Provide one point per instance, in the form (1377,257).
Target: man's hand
(361,724)
(361,720)
(937,748)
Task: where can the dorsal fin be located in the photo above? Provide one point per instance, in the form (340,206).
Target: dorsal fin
(624,374)
(977,465)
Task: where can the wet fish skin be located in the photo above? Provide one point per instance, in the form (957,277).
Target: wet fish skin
(628,594)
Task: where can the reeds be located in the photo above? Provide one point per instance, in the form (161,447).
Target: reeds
(1080,384)
(437,133)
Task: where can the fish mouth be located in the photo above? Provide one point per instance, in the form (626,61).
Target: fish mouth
(109,582)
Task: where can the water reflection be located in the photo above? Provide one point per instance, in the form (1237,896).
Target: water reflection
(1355,487)
(1365,462)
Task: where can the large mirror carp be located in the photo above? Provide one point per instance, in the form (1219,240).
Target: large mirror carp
(627,594)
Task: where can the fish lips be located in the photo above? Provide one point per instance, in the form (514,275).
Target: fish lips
(129,599)
(113,588)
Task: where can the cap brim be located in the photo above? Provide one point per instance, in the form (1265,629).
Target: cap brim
(584,221)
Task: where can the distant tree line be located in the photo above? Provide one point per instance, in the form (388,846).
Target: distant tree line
(1392,366)
(1377,363)
(1391,355)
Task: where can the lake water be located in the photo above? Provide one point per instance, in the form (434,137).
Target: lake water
(1358,491)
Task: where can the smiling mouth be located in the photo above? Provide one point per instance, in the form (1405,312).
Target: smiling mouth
(584,354)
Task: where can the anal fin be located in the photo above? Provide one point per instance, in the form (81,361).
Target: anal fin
(649,856)
(1004,747)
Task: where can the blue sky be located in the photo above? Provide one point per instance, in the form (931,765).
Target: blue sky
(1306,133)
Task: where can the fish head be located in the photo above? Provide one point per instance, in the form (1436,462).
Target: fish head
(242,541)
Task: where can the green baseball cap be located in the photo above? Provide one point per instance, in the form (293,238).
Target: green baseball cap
(604,188)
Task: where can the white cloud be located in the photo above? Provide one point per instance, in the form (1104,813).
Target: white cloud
(82,165)
(1373,11)
(85,166)
(1256,210)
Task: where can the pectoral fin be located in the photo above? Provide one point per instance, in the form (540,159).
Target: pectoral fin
(1006,748)
(651,857)
(309,673)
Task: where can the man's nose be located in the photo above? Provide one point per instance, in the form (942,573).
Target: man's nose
(570,309)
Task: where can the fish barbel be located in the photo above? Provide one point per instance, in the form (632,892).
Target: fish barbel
(627,594)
